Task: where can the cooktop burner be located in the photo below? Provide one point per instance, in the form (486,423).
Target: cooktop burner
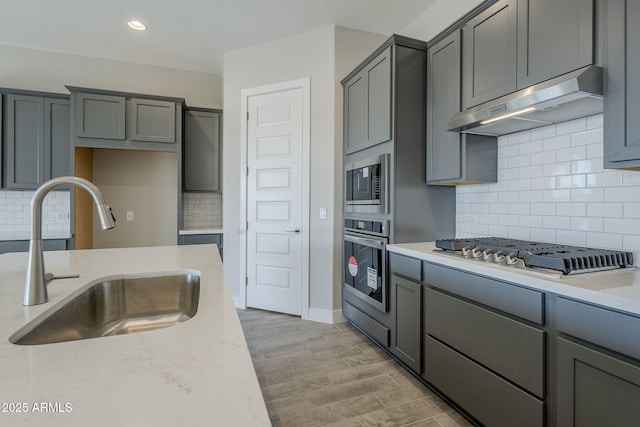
(564,258)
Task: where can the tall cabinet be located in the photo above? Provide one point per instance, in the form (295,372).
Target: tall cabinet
(384,115)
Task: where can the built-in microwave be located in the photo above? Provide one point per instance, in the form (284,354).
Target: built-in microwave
(366,185)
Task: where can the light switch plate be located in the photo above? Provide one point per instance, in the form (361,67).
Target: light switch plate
(323,213)
(129,215)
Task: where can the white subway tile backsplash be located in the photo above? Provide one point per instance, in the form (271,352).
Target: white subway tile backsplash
(204,210)
(587,195)
(571,126)
(571,209)
(552,187)
(573,153)
(586,137)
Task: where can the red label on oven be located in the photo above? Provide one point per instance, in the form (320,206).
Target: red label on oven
(353,266)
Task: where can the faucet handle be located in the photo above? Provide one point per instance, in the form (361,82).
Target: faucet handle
(50,276)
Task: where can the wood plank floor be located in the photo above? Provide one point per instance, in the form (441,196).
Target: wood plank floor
(315,374)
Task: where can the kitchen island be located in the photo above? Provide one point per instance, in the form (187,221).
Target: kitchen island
(197,373)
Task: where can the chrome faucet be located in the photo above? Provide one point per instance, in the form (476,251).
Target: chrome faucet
(35,287)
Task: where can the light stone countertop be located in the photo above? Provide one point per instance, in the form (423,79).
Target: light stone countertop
(196,373)
(617,289)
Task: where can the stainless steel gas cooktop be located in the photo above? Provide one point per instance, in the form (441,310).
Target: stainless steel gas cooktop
(552,256)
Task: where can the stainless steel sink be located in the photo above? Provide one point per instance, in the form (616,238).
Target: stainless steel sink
(114,306)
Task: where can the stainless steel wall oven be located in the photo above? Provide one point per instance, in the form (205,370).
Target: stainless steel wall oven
(365,260)
(366,185)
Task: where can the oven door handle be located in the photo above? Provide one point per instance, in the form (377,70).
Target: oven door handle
(368,241)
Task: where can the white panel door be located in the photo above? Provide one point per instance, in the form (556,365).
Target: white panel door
(274,201)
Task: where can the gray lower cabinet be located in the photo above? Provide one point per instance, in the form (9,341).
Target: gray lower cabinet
(201,239)
(367,104)
(23,245)
(595,388)
(406,334)
(453,158)
(36,140)
(491,364)
(202,150)
(621,100)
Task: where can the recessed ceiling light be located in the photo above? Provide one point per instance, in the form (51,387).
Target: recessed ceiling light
(136,25)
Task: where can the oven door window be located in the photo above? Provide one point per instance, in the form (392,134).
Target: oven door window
(364,270)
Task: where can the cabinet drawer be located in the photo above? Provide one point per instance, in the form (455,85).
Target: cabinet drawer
(613,330)
(507,297)
(406,266)
(510,348)
(369,326)
(487,397)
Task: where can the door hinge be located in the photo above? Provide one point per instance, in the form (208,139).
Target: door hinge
(247,170)
(247,116)
(246,280)
(247,225)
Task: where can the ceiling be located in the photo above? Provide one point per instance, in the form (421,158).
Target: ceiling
(187,34)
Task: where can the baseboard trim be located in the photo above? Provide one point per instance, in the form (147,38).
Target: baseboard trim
(238,302)
(324,315)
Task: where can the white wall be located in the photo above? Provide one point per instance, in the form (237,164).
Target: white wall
(311,54)
(552,187)
(438,17)
(144,182)
(39,70)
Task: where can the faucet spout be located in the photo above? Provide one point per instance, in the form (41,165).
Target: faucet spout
(35,289)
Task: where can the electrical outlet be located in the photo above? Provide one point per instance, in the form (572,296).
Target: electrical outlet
(62,215)
(129,215)
(196,213)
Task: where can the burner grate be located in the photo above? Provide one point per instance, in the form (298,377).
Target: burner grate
(564,258)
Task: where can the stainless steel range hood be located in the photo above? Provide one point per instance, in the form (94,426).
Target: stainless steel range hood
(570,96)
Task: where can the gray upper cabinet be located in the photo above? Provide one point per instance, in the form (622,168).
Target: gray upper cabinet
(202,150)
(367,98)
(100,116)
(36,140)
(122,120)
(153,120)
(622,94)
(514,44)
(57,138)
(453,158)
(489,68)
(554,37)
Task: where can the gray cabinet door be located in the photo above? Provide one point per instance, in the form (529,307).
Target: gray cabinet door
(489,45)
(406,333)
(153,120)
(24,142)
(37,141)
(354,113)
(594,388)
(100,116)
(443,101)
(378,107)
(554,37)
(57,138)
(367,105)
(202,151)
(622,94)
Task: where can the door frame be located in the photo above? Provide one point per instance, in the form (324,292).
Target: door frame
(305,85)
